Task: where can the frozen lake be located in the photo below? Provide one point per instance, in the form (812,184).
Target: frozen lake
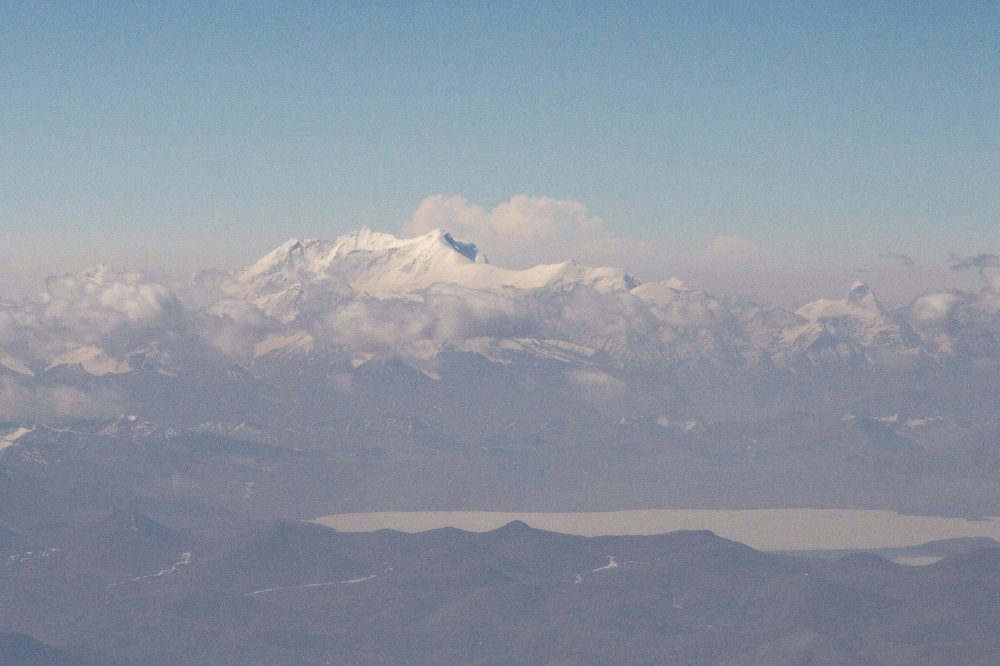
(764,529)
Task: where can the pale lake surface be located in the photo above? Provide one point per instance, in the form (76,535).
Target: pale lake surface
(763,529)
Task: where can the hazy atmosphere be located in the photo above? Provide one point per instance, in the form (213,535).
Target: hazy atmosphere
(499,333)
(778,151)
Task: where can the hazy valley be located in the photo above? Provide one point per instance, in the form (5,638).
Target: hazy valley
(160,446)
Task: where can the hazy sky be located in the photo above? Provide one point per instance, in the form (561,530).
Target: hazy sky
(733,147)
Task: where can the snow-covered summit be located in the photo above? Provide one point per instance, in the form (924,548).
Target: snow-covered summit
(370,295)
(379,265)
(308,260)
(844,327)
(862,296)
(860,304)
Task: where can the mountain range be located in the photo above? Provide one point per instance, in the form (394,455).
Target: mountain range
(289,385)
(370,295)
(161,445)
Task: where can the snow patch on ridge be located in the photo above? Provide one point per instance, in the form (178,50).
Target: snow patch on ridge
(16,364)
(831,328)
(10,439)
(380,265)
(298,342)
(92,359)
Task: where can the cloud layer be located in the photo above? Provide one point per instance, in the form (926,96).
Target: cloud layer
(523,231)
(99,307)
(109,323)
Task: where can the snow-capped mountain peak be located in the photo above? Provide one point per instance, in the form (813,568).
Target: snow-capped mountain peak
(356,259)
(860,304)
(468,250)
(862,296)
(370,295)
(378,265)
(843,327)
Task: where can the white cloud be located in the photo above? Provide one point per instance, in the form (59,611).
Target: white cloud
(233,327)
(99,309)
(934,309)
(686,308)
(406,327)
(107,298)
(523,231)
(103,307)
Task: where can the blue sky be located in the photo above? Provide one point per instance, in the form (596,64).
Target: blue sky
(819,136)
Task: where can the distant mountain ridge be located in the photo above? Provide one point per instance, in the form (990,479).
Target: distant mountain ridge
(372,373)
(369,295)
(367,263)
(298,593)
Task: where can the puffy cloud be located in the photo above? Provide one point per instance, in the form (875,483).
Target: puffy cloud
(99,308)
(692,309)
(522,231)
(405,327)
(103,307)
(534,219)
(934,314)
(454,213)
(233,326)
(934,307)
(105,299)
(416,327)
(372,325)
